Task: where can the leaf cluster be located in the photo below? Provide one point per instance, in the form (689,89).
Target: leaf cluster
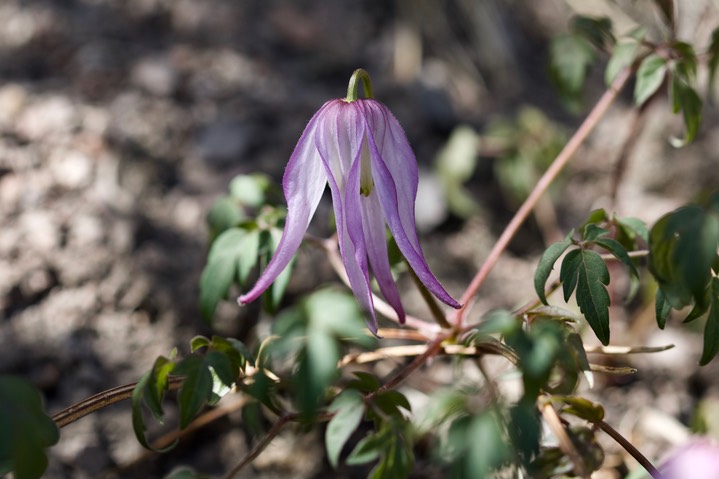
(584,272)
(240,242)
(206,375)
(684,261)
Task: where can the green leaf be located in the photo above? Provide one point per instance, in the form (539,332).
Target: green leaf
(349,410)
(623,55)
(390,402)
(713,62)
(570,57)
(233,254)
(711,330)
(224,214)
(157,386)
(587,270)
(487,447)
(686,100)
(597,30)
(138,423)
(685,64)
(592,232)
(621,254)
(198,342)
(633,228)
(595,217)
(367,450)
(683,247)
(582,408)
(650,76)
(25,429)
(250,190)
(546,264)
(223,367)
(525,429)
(196,387)
(365,382)
(662,308)
(568,272)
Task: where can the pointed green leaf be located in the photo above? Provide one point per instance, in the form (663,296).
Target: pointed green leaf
(683,247)
(685,64)
(198,342)
(597,30)
(592,297)
(138,423)
(222,366)
(592,232)
(390,402)
(365,382)
(224,214)
(595,217)
(570,57)
(568,272)
(662,308)
(250,190)
(621,254)
(582,408)
(157,386)
(686,99)
(633,228)
(546,264)
(349,410)
(711,330)
(367,450)
(698,310)
(650,76)
(196,387)
(25,429)
(623,56)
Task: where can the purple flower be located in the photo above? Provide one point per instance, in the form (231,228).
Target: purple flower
(359,148)
(699,459)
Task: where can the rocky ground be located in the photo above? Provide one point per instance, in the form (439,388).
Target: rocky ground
(121,121)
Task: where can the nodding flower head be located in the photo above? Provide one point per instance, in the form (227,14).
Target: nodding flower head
(358,147)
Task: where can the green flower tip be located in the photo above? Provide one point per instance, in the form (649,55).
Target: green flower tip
(359,75)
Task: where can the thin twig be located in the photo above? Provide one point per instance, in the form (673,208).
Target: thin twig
(418,349)
(544,182)
(101,400)
(276,428)
(432,349)
(260,446)
(629,447)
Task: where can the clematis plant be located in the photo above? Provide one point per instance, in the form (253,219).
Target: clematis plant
(359,148)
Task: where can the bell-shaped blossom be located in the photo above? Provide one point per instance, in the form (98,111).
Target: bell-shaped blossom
(359,148)
(698,459)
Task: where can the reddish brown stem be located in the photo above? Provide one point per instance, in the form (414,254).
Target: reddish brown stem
(549,176)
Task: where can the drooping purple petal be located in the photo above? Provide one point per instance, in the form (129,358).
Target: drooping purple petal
(374,233)
(303,182)
(397,155)
(340,154)
(393,192)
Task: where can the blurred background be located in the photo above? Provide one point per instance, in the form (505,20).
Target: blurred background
(121,121)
